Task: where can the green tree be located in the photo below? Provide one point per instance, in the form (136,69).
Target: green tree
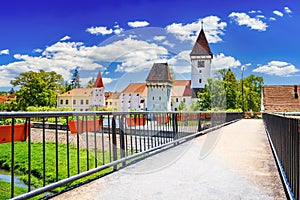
(231,88)
(91,83)
(182,106)
(37,88)
(75,82)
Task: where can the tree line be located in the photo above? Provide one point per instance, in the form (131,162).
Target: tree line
(224,92)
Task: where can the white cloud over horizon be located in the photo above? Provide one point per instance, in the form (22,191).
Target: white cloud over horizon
(65,38)
(213,27)
(97,30)
(221,61)
(288,10)
(277,68)
(138,24)
(244,19)
(278,13)
(4,52)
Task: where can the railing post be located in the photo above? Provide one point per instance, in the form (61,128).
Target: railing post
(114,141)
(121,135)
(199,122)
(175,125)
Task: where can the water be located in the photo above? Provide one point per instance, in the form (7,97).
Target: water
(6,177)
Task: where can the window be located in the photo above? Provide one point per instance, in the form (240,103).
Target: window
(81,102)
(200,63)
(152,98)
(184,100)
(200,71)
(74,102)
(67,102)
(106,103)
(159,98)
(87,102)
(61,101)
(176,99)
(200,81)
(110,103)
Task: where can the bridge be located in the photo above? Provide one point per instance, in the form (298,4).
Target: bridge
(170,155)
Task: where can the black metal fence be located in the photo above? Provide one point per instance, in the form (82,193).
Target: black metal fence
(54,149)
(284,136)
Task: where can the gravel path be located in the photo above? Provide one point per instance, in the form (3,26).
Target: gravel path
(234,162)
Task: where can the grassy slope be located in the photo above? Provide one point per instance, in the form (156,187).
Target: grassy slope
(21,162)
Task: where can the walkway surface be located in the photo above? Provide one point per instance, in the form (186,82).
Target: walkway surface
(234,162)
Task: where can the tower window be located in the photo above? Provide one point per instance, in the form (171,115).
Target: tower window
(200,81)
(200,71)
(200,63)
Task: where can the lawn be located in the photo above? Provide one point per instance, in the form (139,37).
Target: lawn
(21,163)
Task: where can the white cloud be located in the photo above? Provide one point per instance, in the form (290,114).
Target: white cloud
(254,11)
(159,38)
(244,19)
(188,32)
(277,68)
(287,10)
(65,38)
(118,31)
(260,16)
(137,24)
(168,44)
(4,52)
(276,12)
(107,80)
(97,30)
(221,61)
(37,50)
(272,19)
(181,62)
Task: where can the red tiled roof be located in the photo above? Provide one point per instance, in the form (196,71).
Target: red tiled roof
(160,72)
(83,92)
(181,88)
(281,98)
(201,46)
(135,88)
(98,83)
(3,99)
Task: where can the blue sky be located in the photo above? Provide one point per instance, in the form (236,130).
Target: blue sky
(123,39)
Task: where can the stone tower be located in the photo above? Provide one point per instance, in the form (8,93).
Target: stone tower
(98,92)
(201,57)
(159,84)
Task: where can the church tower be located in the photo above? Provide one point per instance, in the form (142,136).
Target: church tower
(201,57)
(98,92)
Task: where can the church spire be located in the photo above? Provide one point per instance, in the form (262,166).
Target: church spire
(98,83)
(201,46)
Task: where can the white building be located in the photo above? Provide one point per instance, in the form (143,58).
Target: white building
(159,84)
(133,97)
(181,92)
(201,57)
(83,99)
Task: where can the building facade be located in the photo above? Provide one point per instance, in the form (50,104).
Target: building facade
(159,84)
(201,57)
(83,99)
(133,97)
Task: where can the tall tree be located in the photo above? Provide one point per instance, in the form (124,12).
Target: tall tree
(231,87)
(75,79)
(91,83)
(37,88)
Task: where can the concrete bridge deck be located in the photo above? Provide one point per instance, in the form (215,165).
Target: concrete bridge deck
(234,162)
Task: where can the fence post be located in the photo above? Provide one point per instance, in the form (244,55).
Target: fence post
(114,141)
(175,125)
(121,135)
(199,122)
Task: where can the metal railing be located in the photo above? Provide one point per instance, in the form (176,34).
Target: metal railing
(78,144)
(283,133)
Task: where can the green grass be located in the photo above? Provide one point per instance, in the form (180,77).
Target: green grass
(21,162)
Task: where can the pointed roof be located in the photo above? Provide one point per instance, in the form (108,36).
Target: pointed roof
(201,46)
(99,83)
(160,72)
